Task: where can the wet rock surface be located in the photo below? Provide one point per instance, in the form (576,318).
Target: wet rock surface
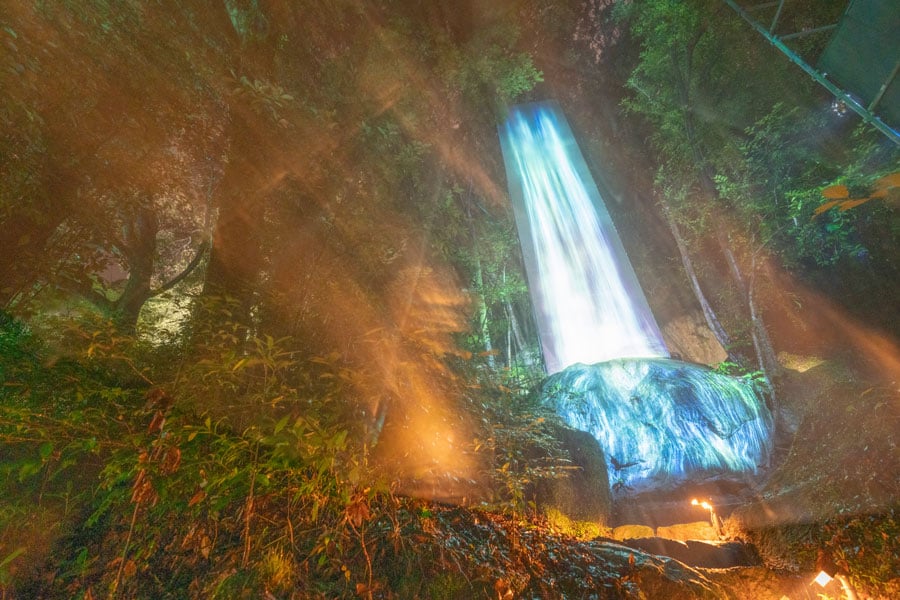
(663,423)
(527,560)
(696,553)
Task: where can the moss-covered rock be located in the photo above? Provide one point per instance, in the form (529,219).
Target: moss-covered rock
(582,493)
(628,532)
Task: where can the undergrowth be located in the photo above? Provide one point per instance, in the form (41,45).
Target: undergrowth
(865,547)
(223,466)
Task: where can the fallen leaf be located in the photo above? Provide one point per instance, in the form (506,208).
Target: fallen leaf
(838,192)
(197,498)
(130,569)
(847,205)
(889,181)
(826,206)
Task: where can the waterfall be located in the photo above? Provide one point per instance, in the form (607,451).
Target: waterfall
(659,421)
(588,303)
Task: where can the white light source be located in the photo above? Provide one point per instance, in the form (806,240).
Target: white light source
(713,518)
(823,578)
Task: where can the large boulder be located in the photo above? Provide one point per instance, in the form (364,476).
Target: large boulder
(697,553)
(661,422)
(690,338)
(581,493)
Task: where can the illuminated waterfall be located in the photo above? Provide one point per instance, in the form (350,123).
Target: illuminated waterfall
(659,421)
(587,299)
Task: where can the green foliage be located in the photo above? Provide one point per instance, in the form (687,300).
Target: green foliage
(582,530)
(489,63)
(176,488)
(217,491)
(5,578)
(778,185)
(515,76)
(485,246)
(60,413)
(867,547)
(246,18)
(228,464)
(745,149)
(517,442)
(15,353)
(753,377)
(447,586)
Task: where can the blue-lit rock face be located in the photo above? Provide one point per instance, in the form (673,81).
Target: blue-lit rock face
(661,422)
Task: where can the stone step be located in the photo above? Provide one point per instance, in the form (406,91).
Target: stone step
(696,553)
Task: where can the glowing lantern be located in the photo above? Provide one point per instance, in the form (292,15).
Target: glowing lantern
(823,578)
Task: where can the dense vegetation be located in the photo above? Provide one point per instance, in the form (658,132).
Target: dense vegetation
(260,289)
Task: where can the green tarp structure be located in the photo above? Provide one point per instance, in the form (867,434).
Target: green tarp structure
(863,56)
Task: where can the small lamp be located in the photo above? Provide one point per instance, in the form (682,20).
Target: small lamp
(713,519)
(823,578)
(829,572)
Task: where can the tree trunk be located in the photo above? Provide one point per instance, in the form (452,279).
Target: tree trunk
(140,250)
(479,283)
(762,343)
(236,256)
(516,329)
(483,313)
(509,347)
(708,313)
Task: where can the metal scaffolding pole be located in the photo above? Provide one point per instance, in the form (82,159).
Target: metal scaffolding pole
(838,92)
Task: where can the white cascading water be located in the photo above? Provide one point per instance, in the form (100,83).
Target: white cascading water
(589,304)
